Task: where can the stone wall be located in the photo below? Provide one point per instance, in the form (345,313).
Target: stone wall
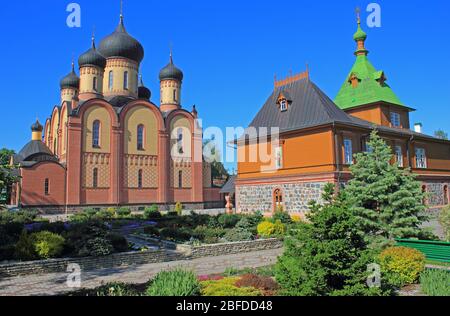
(436,195)
(296,196)
(136,258)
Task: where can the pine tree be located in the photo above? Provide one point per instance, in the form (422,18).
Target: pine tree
(328,255)
(387,200)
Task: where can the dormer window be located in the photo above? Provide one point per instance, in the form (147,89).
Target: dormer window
(353,80)
(283,105)
(283,101)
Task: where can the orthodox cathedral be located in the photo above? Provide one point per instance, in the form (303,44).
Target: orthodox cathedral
(108,144)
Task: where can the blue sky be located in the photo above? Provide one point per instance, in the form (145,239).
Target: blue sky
(229,52)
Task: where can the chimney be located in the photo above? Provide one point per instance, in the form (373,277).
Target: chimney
(418,128)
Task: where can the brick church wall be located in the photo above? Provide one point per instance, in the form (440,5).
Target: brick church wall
(149,167)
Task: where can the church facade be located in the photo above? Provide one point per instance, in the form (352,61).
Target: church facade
(318,138)
(108,144)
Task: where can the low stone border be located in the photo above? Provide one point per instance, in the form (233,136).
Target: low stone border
(183,252)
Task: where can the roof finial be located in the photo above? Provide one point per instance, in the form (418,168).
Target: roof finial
(171,52)
(358,15)
(73,64)
(93,37)
(121,10)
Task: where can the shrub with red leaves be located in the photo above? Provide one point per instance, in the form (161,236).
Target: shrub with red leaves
(258,282)
(202,278)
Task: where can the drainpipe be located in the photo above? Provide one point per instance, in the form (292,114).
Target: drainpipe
(66,168)
(336,154)
(408,152)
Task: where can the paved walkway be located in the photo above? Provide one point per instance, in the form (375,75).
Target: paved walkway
(55,283)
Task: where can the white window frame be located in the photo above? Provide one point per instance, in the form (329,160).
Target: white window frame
(283,105)
(399,156)
(348,151)
(396,119)
(421,158)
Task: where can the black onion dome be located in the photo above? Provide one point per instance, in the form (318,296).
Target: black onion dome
(121,44)
(92,57)
(71,80)
(143,91)
(37,127)
(171,72)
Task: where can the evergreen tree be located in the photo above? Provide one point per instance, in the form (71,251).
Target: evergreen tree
(387,200)
(328,255)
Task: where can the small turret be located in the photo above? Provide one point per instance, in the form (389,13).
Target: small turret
(171,79)
(36,131)
(69,85)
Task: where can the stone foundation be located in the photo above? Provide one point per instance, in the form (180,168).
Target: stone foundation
(436,195)
(296,196)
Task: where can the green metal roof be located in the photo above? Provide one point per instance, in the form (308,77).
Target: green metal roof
(370,88)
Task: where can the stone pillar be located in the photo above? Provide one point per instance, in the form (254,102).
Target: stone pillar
(164,159)
(74,162)
(116,165)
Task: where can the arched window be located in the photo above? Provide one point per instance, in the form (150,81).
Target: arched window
(424,191)
(111,80)
(96,134)
(125,80)
(180,179)
(95,178)
(175,95)
(446,197)
(94,83)
(140,137)
(140,179)
(47,186)
(278,200)
(180,141)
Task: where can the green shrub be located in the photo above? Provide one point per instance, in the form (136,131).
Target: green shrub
(401,265)
(435,282)
(152,212)
(81,233)
(444,219)
(47,245)
(179,208)
(175,234)
(24,248)
(123,212)
(228,220)
(151,231)
(97,247)
(238,234)
(22,216)
(118,242)
(246,224)
(174,283)
(227,287)
(208,234)
(116,289)
(283,217)
(268,229)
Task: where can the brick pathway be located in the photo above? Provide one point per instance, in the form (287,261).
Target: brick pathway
(55,283)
